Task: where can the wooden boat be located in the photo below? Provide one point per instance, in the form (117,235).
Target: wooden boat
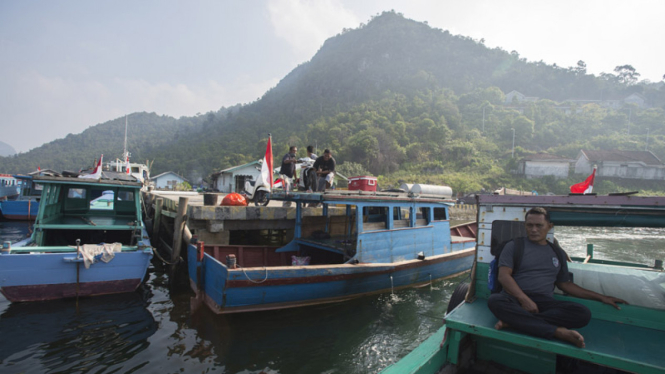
(381,242)
(8,186)
(26,205)
(62,257)
(627,340)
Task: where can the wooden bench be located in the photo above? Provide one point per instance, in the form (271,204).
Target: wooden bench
(621,345)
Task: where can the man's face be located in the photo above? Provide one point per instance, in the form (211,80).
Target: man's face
(327,156)
(537,228)
(294,151)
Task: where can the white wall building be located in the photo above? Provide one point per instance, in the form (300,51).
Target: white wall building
(542,164)
(233,179)
(167,180)
(621,164)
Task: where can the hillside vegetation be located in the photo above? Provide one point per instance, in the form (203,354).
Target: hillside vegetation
(402,101)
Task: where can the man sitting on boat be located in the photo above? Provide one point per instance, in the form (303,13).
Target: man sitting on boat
(527,301)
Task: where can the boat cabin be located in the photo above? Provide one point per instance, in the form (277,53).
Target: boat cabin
(94,211)
(355,228)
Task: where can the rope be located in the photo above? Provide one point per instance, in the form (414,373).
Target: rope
(154,250)
(253,281)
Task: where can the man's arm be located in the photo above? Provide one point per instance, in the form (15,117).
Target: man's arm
(510,286)
(577,291)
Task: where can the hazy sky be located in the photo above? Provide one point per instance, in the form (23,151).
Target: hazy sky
(68,65)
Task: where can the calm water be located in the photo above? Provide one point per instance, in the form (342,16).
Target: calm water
(153,331)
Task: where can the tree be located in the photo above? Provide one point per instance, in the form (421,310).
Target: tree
(626,74)
(581,68)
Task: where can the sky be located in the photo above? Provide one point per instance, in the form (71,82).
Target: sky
(70,64)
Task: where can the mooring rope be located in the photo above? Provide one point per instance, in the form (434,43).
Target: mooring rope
(154,250)
(250,279)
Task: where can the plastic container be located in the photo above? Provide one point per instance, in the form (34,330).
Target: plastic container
(362,183)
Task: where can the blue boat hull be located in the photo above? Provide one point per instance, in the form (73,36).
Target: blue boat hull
(48,276)
(255,289)
(23,210)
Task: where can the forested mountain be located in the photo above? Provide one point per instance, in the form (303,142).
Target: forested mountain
(401,100)
(6,149)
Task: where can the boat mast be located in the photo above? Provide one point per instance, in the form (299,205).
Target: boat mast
(125,154)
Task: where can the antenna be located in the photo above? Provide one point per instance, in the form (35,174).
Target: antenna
(125,152)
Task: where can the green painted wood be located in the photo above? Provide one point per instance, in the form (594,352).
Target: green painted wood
(427,358)
(618,345)
(521,358)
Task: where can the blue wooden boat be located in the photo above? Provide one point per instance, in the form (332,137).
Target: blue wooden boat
(8,186)
(616,341)
(77,249)
(26,205)
(381,242)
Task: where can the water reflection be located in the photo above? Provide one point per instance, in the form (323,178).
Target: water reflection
(103,333)
(358,336)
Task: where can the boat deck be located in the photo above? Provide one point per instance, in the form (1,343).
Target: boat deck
(619,345)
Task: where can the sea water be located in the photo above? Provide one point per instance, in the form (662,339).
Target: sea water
(153,331)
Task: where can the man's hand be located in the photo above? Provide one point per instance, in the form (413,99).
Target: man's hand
(528,304)
(611,300)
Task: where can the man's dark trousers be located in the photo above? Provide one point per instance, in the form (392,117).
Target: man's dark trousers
(551,314)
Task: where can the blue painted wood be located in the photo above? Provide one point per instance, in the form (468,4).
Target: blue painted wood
(47,271)
(54,268)
(19,209)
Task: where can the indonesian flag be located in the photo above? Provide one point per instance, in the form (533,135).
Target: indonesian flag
(586,186)
(277,183)
(97,173)
(129,169)
(266,168)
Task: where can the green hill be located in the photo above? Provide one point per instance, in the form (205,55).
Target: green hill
(399,99)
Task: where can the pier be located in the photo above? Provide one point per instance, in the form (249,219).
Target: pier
(177,218)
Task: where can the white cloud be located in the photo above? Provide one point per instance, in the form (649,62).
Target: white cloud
(40,109)
(305,25)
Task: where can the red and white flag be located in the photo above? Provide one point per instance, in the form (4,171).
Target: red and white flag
(586,186)
(127,167)
(266,168)
(97,173)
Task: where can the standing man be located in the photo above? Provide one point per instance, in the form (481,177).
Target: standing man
(310,152)
(325,170)
(287,171)
(527,301)
(310,181)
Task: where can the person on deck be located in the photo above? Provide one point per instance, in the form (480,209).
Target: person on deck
(325,170)
(305,174)
(310,152)
(287,171)
(527,301)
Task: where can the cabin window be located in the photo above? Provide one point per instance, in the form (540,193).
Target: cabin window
(440,214)
(423,216)
(375,218)
(76,193)
(401,217)
(125,196)
(135,169)
(102,200)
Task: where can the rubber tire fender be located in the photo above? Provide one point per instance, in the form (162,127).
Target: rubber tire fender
(458,296)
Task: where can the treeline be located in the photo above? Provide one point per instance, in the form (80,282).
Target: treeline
(400,100)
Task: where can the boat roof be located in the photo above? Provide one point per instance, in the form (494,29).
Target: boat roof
(589,210)
(352,197)
(109,178)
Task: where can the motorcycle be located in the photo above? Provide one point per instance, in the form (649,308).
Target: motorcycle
(257,192)
(307,179)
